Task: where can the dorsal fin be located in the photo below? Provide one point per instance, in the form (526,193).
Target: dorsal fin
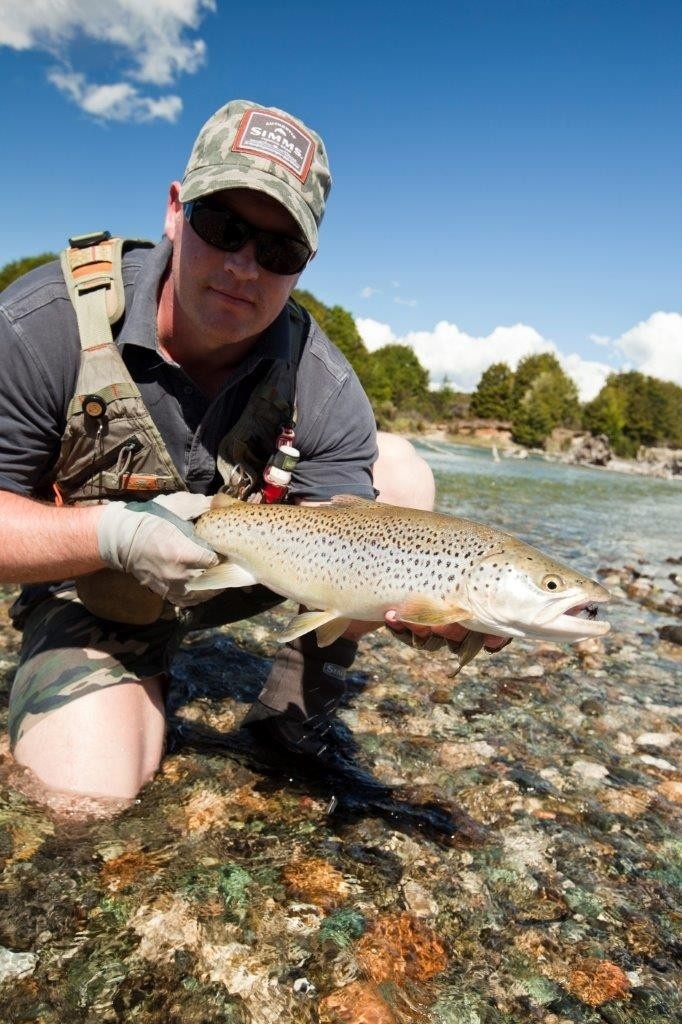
(222,500)
(351,499)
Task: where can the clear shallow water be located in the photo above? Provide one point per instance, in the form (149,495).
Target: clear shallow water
(525,870)
(588,516)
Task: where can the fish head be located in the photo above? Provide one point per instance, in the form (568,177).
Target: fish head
(519,591)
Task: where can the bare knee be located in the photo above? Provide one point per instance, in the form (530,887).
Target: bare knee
(107,743)
(401,476)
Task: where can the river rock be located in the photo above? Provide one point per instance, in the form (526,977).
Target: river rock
(591,450)
(663,462)
(661,740)
(16,965)
(591,773)
(672,634)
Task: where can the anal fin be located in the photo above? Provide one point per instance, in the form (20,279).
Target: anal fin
(465,650)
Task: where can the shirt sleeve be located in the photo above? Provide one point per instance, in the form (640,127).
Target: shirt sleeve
(37,374)
(336,430)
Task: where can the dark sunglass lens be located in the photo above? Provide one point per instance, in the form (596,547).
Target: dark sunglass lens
(207,224)
(235,232)
(219,227)
(223,229)
(281,255)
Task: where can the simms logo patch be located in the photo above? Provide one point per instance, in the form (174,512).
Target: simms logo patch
(275,138)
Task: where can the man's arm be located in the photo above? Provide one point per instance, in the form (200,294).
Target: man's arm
(152,541)
(42,542)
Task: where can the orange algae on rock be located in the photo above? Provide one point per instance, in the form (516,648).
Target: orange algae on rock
(316,881)
(596,981)
(120,872)
(357,1003)
(400,945)
(204,810)
(671,790)
(631,803)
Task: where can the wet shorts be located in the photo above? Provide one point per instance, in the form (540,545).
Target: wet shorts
(67,652)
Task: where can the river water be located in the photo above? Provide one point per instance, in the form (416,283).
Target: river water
(578,512)
(589,518)
(502,847)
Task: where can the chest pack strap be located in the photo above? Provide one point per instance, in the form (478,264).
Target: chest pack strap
(92,268)
(107,411)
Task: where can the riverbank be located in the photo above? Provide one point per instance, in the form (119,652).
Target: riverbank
(660,463)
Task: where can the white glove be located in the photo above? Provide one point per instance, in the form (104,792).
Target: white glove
(155,542)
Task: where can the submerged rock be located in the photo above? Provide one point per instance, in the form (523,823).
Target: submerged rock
(16,965)
(672,634)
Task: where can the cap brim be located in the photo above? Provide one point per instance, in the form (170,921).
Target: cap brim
(205,182)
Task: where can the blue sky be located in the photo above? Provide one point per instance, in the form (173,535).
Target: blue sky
(507,175)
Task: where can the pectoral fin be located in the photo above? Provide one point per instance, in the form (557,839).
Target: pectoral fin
(327,624)
(221,577)
(424,611)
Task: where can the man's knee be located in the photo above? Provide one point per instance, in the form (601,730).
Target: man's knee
(401,476)
(105,743)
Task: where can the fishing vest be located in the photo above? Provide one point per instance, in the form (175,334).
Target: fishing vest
(111,447)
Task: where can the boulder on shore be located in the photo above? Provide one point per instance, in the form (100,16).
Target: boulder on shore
(591,450)
(664,462)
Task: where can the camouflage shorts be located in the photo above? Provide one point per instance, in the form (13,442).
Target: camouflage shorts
(67,652)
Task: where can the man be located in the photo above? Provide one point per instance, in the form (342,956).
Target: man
(204,354)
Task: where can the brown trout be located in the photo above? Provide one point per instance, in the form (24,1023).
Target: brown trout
(356,559)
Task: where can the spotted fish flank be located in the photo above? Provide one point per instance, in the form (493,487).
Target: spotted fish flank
(356,559)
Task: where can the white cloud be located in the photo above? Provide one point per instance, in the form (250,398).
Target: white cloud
(368,292)
(447,351)
(404,302)
(374,334)
(600,339)
(120,102)
(149,39)
(588,376)
(654,346)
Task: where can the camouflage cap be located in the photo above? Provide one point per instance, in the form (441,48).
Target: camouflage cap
(247,146)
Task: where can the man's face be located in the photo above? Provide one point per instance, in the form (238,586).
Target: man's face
(226,298)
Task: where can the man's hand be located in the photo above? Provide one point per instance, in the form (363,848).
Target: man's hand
(155,542)
(453,632)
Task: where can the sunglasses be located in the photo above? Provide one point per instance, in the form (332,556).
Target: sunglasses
(223,229)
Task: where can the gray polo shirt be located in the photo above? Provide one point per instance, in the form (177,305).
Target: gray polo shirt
(39,358)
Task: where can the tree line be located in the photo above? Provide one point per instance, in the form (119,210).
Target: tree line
(631,409)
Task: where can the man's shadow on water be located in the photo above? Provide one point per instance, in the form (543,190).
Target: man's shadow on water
(216,668)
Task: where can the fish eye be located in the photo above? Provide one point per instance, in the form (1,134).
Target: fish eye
(552,582)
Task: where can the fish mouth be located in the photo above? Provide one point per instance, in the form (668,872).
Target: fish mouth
(587,610)
(582,620)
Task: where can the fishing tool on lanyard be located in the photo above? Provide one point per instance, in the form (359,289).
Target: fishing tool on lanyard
(279,467)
